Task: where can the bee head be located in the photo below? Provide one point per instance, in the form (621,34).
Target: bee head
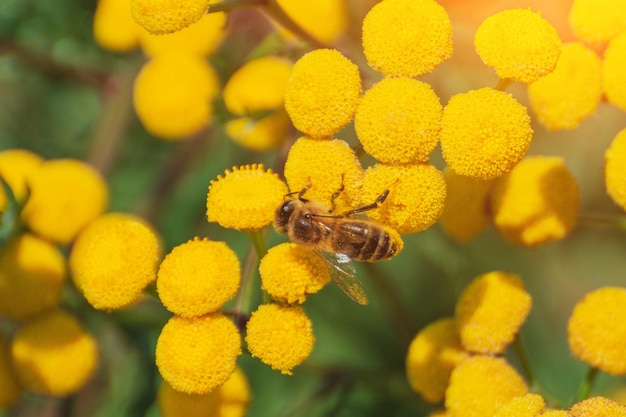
(283,214)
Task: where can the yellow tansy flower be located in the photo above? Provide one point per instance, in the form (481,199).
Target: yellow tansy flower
(614,169)
(490,312)
(597,330)
(613,68)
(32,272)
(281,337)
(197,355)
(322,92)
(290,272)
(198,277)
(53,355)
(571,93)
(16,168)
(245,198)
(481,385)
(597,21)
(484,133)
(465,211)
(529,405)
(114,258)
(537,202)
(202,37)
(433,354)
(416,195)
(113,26)
(406,37)
(11,388)
(235,395)
(519,44)
(172,95)
(324,166)
(597,407)
(398,120)
(325,20)
(259,134)
(65,195)
(167,16)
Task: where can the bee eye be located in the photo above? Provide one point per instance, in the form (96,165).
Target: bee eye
(282,216)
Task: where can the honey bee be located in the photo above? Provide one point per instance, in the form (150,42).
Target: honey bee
(337,237)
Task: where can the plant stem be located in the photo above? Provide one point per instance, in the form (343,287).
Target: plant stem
(278,14)
(587,384)
(243,302)
(503,84)
(520,351)
(228,5)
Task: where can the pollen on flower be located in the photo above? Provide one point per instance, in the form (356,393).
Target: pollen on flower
(16,168)
(114,258)
(245,198)
(325,20)
(65,195)
(398,120)
(416,195)
(614,169)
(280,336)
(529,405)
(11,388)
(53,355)
(198,277)
(32,272)
(484,133)
(537,202)
(596,22)
(406,37)
(465,211)
(172,95)
(597,330)
(259,134)
(597,407)
(167,16)
(433,354)
(197,355)
(325,166)
(490,312)
(613,67)
(113,26)
(519,44)
(571,93)
(481,385)
(289,273)
(322,92)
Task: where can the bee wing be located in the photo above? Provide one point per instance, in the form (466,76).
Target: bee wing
(343,273)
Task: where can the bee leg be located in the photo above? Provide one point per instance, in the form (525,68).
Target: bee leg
(379,200)
(335,195)
(303,190)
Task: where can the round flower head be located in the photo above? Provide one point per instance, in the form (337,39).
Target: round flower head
(32,272)
(325,20)
(16,168)
(167,16)
(290,272)
(65,195)
(529,405)
(416,195)
(597,330)
(465,211)
(172,95)
(259,134)
(245,198)
(259,85)
(322,92)
(113,26)
(197,355)
(113,259)
(53,355)
(324,166)
(11,388)
(198,277)
(519,44)
(201,38)
(432,355)
(281,337)
(234,395)
(481,385)
(490,312)
(597,407)
(571,93)
(615,161)
(537,202)
(398,121)
(406,37)
(596,22)
(613,67)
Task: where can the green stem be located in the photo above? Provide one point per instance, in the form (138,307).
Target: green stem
(587,384)
(503,84)
(520,351)
(243,302)
(615,220)
(278,14)
(228,5)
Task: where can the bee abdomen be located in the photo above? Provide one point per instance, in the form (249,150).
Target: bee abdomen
(370,243)
(377,249)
